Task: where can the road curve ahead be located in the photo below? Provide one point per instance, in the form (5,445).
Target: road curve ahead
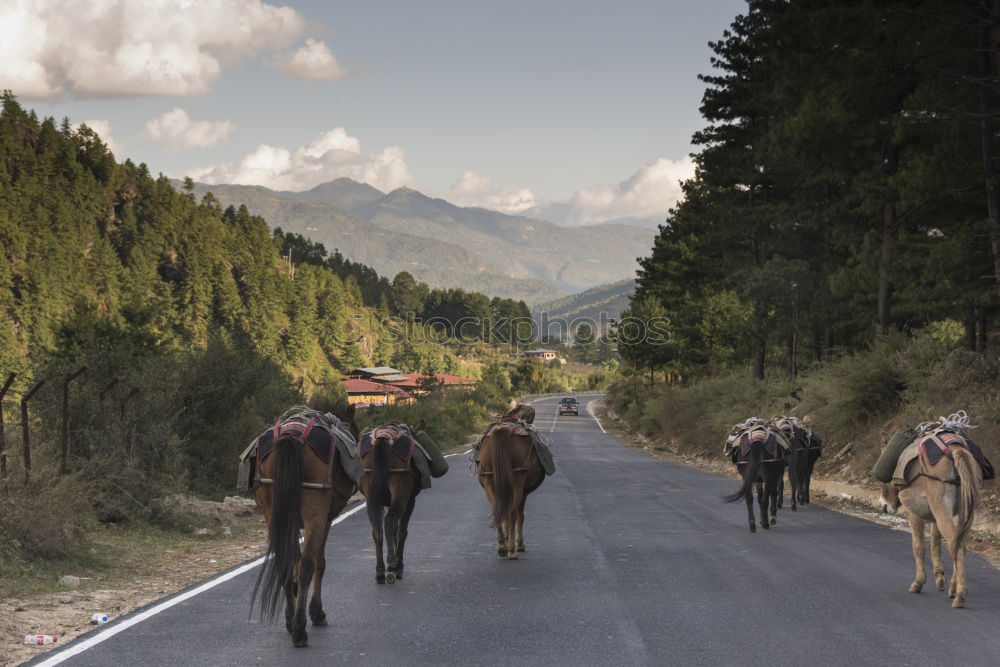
(630,561)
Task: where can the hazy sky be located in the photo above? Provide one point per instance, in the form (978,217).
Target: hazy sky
(504,104)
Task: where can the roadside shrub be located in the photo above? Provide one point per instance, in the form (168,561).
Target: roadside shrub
(851,400)
(48,519)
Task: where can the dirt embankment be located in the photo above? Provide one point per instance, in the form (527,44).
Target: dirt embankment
(145,567)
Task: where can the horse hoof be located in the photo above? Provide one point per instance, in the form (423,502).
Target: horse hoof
(753,528)
(390,577)
(502,552)
(512,555)
(793,508)
(915,587)
(379,578)
(300,640)
(319,619)
(958,603)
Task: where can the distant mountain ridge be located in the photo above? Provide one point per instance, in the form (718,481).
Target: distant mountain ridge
(596,306)
(447,245)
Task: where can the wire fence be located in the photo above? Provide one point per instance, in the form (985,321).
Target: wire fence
(107,392)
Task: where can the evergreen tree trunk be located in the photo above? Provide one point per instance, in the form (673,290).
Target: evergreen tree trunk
(986,131)
(890,197)
(793,352)
(970,329)
(758,360)
(983,330)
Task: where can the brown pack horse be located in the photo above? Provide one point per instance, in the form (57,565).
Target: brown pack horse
(391,482)
(508,471)
(945,495)
(306,494)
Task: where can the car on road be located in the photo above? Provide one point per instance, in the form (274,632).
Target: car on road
(569,405)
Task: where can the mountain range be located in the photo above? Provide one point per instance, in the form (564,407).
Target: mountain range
(446,245)
(597,307)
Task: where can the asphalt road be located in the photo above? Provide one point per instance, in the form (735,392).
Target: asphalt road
(630,561)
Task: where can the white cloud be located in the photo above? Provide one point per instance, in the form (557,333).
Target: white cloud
(312,62)
(176,131)
(333,154)
(475,190)
(121,48)
(103,130)
(646,197)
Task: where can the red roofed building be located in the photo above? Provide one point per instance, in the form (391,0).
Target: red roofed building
(366,392)
(418,383)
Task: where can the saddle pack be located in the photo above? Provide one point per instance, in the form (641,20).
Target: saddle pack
(539,442)
(404,443)
(927,449)
(324,434)
(318,437)
(399,436)
(773,449)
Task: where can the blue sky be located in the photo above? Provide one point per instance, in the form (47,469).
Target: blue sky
(508,105)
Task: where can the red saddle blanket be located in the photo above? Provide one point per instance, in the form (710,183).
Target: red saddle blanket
(319,439)
(934,447)
(398,435)
(746,440)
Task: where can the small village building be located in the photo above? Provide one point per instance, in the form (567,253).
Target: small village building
(365,392)
(540,353)
(376,373)
(417,383)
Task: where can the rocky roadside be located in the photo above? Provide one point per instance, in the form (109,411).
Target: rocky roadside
(226,534)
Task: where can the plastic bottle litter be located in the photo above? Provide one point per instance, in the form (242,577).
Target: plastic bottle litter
(39,640)
(99,619)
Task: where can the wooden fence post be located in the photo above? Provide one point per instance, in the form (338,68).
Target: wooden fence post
(24,426)
(111,385)
(64,464)
(128,397)
(3,444)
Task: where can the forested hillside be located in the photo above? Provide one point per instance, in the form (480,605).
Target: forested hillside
(837,252)
(194,329)
(846,187)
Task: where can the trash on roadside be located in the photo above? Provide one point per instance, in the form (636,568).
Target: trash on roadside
(99,619)
(39,640)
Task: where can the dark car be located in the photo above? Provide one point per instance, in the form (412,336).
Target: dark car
(569,405)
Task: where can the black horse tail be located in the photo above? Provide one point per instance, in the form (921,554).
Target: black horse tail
(283,529)
(800,459)
(378,486)
(503,475)
(750,474)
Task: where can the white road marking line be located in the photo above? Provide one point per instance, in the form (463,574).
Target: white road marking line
(91,642)
(595,417)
